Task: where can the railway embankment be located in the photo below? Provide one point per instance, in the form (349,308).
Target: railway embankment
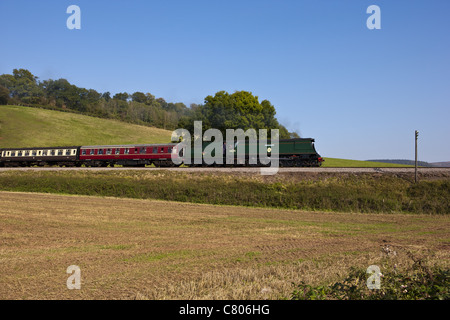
(361,192)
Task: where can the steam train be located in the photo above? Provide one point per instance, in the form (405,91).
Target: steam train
(299,152)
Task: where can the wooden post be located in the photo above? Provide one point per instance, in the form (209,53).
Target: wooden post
(415,171)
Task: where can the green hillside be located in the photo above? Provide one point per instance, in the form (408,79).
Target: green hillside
(336,163)
(33,127)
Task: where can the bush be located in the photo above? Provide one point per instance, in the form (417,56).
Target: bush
(4,95)
(351,194)
(417,283)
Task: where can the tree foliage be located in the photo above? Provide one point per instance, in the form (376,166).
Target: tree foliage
(4,95)
(240,110)
(23,85)
(23,88)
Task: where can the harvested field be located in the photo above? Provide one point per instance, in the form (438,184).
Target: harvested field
(146,249)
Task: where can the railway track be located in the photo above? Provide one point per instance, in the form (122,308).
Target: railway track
(426,170)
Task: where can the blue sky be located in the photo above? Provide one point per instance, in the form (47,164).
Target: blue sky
(360,93)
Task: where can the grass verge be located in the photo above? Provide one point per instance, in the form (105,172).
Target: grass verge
(343,193)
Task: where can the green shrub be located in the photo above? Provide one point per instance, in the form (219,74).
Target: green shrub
(419,283)
(362,193)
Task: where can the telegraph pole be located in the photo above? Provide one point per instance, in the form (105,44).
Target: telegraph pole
(415,171)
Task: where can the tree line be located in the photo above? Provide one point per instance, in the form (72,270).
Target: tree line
(240,110)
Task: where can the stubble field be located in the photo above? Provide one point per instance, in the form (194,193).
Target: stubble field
(149,249)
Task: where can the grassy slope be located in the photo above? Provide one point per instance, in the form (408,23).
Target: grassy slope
(33,127)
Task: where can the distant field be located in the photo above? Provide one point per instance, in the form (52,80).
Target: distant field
(334,162)
(32,127)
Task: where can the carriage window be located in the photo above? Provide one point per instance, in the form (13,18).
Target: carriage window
(169,150)
(92,152)
(117,151)
(83,152)
(127,151)
(27,153)
(67,152)
(74,152)
(34,153)
(52,152)
(60,152)
(109,151)
(20,153)
(142,150)
(44,153)
(161,150)
(100,151)
(155,150)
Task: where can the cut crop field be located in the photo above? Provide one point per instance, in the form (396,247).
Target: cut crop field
(148,249)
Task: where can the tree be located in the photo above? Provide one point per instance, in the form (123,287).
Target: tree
(107,96)
(240,110)
(294,135)
(8,81)
(62,92)
(4,95)
(162,103)
(23,85)
(149,98)
(24,74)
(139,97)
(121,96)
